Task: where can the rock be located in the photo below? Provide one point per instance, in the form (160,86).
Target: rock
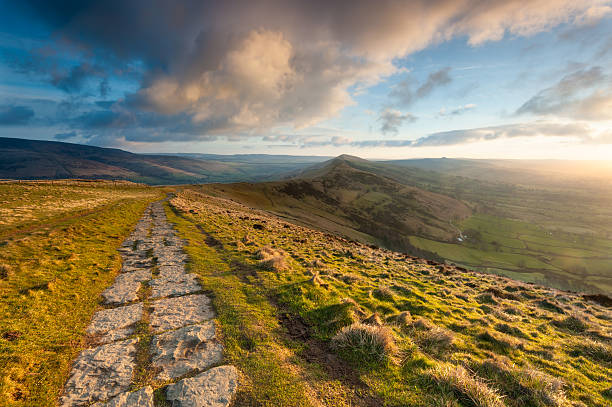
(136,263)
(138,275)
(213,388)
(100,373)
(116,323)
(176,285)
(173,313)
(121,293)
(185,350)
(140,398)
(171,271)
(126,286)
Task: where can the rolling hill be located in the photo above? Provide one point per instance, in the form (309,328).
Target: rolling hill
(338,196)
(557,234)
(31,159)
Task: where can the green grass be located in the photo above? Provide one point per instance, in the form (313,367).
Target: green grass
(529,253)
(251,333)
(284,321)
(55,273)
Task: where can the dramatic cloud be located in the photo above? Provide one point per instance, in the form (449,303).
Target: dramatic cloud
(15,115)
(585,94)
(390,120)
(242,67)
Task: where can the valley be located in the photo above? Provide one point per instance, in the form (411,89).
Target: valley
(535,233)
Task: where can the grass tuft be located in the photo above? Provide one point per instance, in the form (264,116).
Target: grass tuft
(383,293)
(470,390)
(598,351)
(365,344)
(573,323)
(272,259)
(525,386)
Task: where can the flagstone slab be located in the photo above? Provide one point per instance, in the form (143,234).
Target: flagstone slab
(180,284)
(100,373)
(213,388)
(116,323)
(173,313)
(185,350)
(140,398)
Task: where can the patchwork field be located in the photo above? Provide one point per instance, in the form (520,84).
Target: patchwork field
(313,319)
(58,252)
(528,252)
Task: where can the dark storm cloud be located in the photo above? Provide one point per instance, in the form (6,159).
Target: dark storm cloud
(74,79)
(15,115)
(208,68)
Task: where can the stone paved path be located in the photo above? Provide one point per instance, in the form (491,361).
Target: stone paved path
(154,291)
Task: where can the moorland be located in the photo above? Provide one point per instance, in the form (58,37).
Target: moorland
(309,317)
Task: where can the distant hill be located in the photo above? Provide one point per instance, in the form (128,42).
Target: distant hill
(540,173)
(556,232)
(32,159)
(339,196)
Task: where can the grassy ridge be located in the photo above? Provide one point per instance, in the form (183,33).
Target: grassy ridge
(51,277)
(284,293)
(557,234)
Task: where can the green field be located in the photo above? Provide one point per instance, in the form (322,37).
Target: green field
(529,252)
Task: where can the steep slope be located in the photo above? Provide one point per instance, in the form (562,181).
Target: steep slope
(338,197)
(315,320)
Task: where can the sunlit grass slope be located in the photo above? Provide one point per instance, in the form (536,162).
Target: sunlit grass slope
(58,252)
(313,319)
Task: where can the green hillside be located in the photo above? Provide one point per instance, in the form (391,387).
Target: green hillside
(551,235)
(337,197)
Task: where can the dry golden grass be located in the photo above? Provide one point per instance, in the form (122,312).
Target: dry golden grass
(362,343)
(272,259)
(525,386)
(470,390)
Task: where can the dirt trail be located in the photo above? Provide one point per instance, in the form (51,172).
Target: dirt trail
(156,331)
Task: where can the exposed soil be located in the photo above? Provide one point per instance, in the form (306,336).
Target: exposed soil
(319,352)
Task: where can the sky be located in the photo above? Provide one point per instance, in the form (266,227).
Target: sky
(385,79)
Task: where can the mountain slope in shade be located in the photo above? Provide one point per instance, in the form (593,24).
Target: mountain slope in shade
(339,197)
(31,159)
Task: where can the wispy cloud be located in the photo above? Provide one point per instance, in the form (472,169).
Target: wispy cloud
(457,110)
(406,93)
(585,94)
(391,120)
(583,132)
